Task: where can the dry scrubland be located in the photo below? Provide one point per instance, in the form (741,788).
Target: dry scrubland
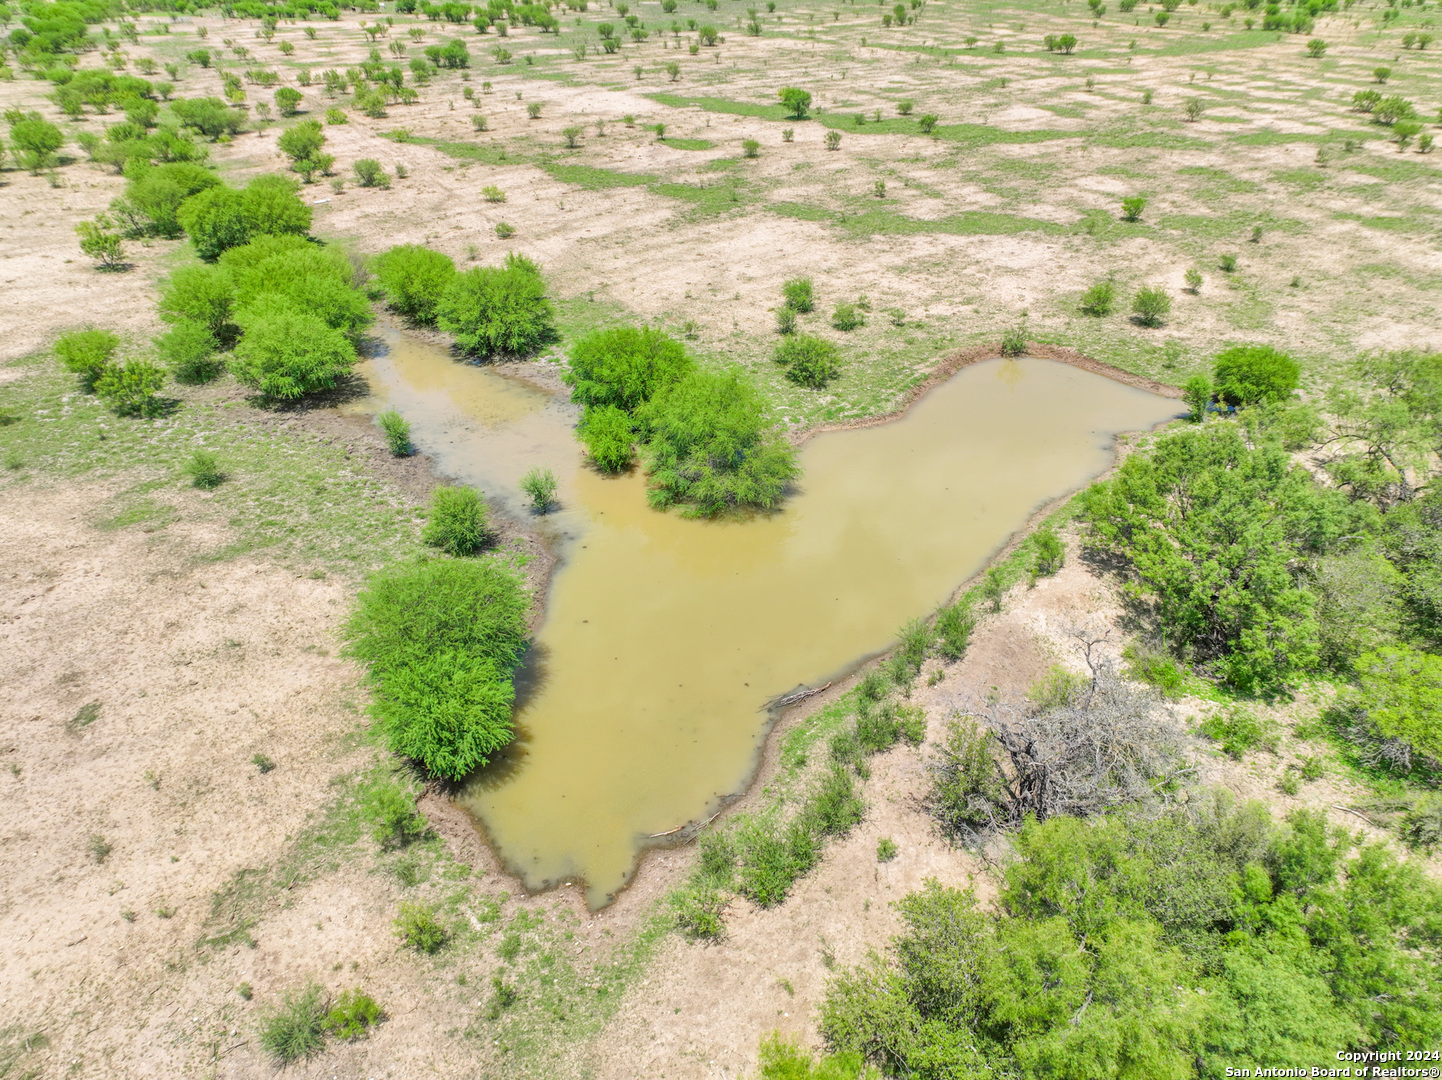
(210,826)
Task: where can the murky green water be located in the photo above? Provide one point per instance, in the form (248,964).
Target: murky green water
(664,638)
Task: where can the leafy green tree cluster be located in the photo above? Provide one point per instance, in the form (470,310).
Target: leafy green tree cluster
(292,304)
(1218,534)
(1386,426)
(1167,947)
(33,140)
(613,373)
(218,217)
(498,310)
(440,640)
(712,446)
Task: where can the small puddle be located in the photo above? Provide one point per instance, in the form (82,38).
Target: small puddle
(644,694)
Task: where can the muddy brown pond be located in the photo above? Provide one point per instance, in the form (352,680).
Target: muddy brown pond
(643,701)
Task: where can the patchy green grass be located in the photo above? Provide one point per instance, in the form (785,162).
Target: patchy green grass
(292,494)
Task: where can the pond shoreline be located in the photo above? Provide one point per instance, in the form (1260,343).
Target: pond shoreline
(648,882)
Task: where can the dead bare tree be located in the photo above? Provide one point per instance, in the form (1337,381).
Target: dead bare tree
(1112,743)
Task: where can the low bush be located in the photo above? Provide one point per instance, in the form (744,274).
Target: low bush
(609,435)
(1155,667)
(220,218)
(418,928)
(953,627)
(1132,207)
(1049,553)
(414,279)
(397,432)
(458,522)
(87,353)
(1150,305)
(286,354)
(369,173)
(771,857)
(798,295)
(785,320)
(132,388)
(1239,731)
(440,640)
(352,1016)
(712,446)
(1399,698)
(1098,300)
(203,468)
(809,361)
(395,822)
(498,311)
(289,275)
(539,484)
(847,317)
(294,1030)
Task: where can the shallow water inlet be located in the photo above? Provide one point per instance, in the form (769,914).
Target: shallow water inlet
(644,695)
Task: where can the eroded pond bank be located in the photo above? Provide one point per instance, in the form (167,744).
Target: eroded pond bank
(663,640)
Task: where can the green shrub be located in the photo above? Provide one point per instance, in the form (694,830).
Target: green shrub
(796,100)
(370,173)
(1150,305)
(539,484)
(99,241)
(131,388)
(954,624)
(203,468)
(288,274)
(1013,341)
(352,1016)
(847,317)
(886,849)
(1254,374)
(287,354)
(1197,393)
(1155,667)
(1400,697)
(771,859)
(1239,730)
(220,218)
(910,652)
(798,295)
(287,101)
(457,522)
(835,807)
(785,320)
(784,1058)
(1132,207)
(750,148)
(335,116)
(34,140)
(294,1030)
(1098,300)
(440,640)
(154,194)
(713,447)
(397,432)
(699,910)
(609,435)
(395,822)
(1050,552)
(418,928)
(1422,824)
(1220,574)
(624,367)
(87,353)
(809,361)
(202,295)
(210,116)
(414,278)
(494,311)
